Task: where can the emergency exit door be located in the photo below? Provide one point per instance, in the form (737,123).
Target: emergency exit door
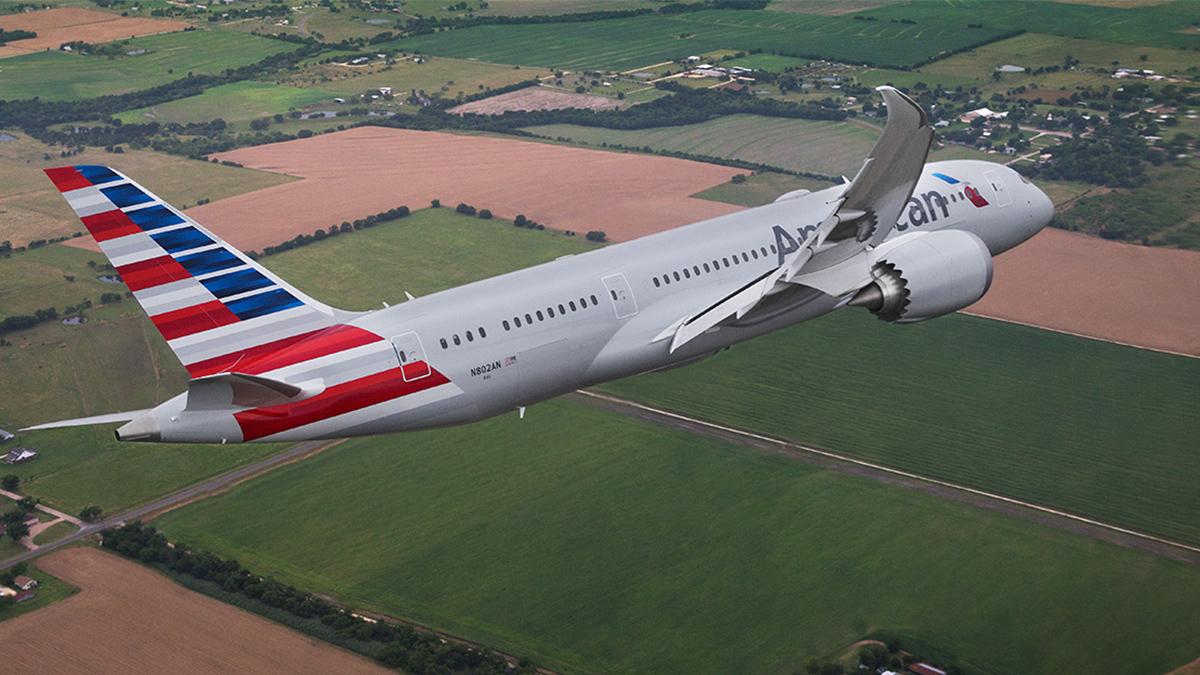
(411,354)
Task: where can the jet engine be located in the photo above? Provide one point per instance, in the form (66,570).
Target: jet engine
(924,275)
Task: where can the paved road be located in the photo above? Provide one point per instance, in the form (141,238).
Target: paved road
(215,484)
(844,464)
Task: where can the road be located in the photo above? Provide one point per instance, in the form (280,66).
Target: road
(176,499)
(844,464)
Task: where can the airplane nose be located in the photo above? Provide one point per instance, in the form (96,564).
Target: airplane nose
(1041,208)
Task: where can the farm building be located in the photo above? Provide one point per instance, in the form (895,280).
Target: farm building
(1009,68)
(6,592)
(985,113)
(19,455)
(24,583)
(6,436)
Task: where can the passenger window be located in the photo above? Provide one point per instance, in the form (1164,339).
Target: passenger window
(696,270)
(505,324)
(754,254)
(666,279)
(443,341)
(764,251)
(657,283)
(745,257)
(528,319)
(676,276)
(687,274)
(773,249)
(561,309)
(612,293)
(716,265)
(550,311)
(582,303)
(517,321)
(707,268)
(470,338)
(457,342)
(540,316)
(571,304)
(482,332)
(595,301)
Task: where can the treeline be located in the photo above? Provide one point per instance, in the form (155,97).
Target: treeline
(334,230)
(1113,155)
(22,321)
(395,645)
(11,35)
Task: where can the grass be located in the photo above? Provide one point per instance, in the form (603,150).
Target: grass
(49,590)
(829,148)
(1086,426)
(622,44)
(236,102)
(54,533)
(449,77)
(1160,25)
(61,76)
(760,188)
(1163,212)
(772,63)
(32,208)
(597,543)
(431,250)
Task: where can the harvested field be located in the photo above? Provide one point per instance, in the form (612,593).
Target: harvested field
(536,98)
(68,24)
(1103,289)
(358,172)
(128,618)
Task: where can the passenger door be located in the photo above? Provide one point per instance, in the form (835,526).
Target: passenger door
(411,353)
(1003,198)
(624,304)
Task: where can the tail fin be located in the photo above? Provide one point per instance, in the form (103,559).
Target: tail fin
(216,307)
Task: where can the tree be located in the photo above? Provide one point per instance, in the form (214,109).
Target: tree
(596,235)
(11,482)
(485,214)
(437,203)
(90,514)
(27,503)
(18,530)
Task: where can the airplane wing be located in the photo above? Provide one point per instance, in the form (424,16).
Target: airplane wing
(835,257)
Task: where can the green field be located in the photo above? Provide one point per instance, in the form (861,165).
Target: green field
(54,533)
(622,44)
(760,188)
(429,251)
(1165,25)
(59,76)
(1090,427)
(448,77)
(236,102)
(829,148)
(773,63)
(597,543)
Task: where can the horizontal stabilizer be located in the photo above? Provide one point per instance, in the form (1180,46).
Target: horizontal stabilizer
(240,390)
(86,421)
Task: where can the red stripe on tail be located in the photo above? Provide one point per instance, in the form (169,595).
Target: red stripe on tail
(195,319)
(152,272)
(110,225)
(66,178)
(280,353)
(336,400)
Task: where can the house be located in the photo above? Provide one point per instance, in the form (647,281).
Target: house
(6,436)
(985,113)
(926,669)
(1009,68)
(693,59)
(24,595)
(385,91)
(6,592)
(19,455)
(24,583)
(31,518)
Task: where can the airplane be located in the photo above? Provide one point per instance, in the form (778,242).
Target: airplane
(905,240)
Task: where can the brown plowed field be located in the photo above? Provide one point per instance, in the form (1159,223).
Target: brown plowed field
(1138,295)
(536,98)
(67,24)
(130,619)
(358,172)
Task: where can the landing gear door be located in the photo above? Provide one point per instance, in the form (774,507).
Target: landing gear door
(624,304)
(411,354)
(1003,198)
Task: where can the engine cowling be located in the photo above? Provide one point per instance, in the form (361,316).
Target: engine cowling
(925,275)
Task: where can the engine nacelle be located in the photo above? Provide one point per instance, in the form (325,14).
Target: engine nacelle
(924,275)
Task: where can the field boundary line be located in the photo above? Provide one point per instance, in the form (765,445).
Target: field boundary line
(1080,335)
(893,471)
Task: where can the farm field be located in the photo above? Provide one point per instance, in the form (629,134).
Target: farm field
(829,148)
(59,76)
(537,98)
(354,173)
(69,24)
(31,208)
(648,550)
(449,77)
(1088,427)
(1164,25)
(139,621)
(622,44)
(236,102)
